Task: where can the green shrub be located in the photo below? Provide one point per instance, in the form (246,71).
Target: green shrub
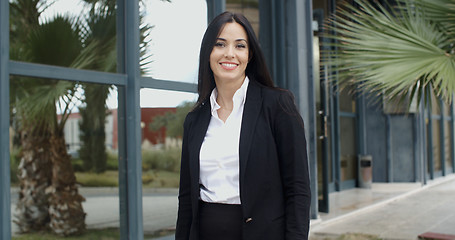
(106,179)
(112,161)
(78,164)
(163,159)
(111,164)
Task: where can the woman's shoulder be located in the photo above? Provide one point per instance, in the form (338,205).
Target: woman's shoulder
(276,95)
(195,112)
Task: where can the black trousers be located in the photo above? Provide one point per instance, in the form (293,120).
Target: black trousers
(220,221)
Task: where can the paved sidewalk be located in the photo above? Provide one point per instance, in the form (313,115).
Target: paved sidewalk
(412,211)
(388,211)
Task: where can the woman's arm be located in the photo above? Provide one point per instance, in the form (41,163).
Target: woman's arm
(184,216)
(291,147)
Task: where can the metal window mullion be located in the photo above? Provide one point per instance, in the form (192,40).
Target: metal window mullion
(430,144)
(121,126)
(130,163)
(389,158)
(5,185)
(148,82)
(65,73)
(336,138)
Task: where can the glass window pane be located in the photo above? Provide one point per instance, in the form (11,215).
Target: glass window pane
(174,40)
(63,135)
(347,100)
(162,116)
(435,104)
(447,109)
(348,148)
(65,33)
(448,144)
(436,145)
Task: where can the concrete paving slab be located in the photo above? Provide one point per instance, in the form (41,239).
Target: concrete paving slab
(428,209)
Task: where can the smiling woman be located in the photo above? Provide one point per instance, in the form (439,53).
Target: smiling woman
(243,144)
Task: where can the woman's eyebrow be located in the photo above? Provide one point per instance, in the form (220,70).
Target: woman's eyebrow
(237,40)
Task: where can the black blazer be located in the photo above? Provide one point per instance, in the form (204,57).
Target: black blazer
(274,179)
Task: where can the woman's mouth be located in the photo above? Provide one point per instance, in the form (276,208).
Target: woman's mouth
(229,66)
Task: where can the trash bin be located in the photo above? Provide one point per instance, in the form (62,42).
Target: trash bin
(365,171)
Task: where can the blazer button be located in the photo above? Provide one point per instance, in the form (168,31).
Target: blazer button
(248,220)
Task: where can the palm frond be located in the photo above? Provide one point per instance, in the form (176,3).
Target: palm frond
(442,12)
(392,52)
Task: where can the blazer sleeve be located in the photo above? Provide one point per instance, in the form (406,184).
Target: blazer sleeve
(293,160)
(184,215)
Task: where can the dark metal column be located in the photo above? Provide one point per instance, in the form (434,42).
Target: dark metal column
(335,119)
(5,196)
(452,134)
(389,158)
(215,7)
(430,144)
(441,139)
(130,162)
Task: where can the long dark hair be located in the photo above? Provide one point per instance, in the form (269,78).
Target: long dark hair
(256,69)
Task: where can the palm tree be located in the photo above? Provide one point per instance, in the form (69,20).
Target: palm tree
(100,27)
(57,42)
(35,165)
(397,50)
(49,195)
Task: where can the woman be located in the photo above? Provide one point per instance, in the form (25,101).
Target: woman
(244,172)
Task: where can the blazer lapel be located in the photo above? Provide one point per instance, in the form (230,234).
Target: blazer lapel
(199,129)
(251,111)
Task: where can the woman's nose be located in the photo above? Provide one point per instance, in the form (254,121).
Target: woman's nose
(229,52)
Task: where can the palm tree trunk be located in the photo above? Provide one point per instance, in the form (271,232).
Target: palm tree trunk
(66,212)
(34,176)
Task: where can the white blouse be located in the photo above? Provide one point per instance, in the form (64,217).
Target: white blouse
(219,155)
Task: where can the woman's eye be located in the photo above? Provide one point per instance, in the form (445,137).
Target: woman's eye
(219,44)
(241,46)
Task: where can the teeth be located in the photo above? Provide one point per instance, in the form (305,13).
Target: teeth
(229,64)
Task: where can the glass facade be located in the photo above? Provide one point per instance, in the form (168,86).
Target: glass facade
(63,141)
(65,33)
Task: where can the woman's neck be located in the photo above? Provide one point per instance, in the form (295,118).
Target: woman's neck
(226,91)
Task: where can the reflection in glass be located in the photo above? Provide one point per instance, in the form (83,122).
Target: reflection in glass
(347,146)
(162,117)
(174,41)
(67,33)
(54,184)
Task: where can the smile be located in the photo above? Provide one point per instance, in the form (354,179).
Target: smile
(228,66)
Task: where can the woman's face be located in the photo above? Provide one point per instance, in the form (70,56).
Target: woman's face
(229,56)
